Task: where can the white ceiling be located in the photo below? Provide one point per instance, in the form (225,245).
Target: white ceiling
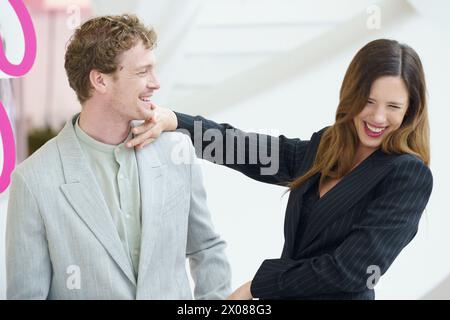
(210,48)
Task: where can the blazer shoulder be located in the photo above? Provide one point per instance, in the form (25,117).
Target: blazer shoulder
(42,169)
(414,167)
(173,138)
(317,136)
(406,159)
(171,147)
(42,161)
(168,141)
(315,139)
(321,131)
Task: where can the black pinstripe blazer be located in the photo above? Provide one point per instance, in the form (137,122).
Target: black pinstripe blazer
(356,229)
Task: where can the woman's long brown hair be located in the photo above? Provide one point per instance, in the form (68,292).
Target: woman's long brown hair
(339,142)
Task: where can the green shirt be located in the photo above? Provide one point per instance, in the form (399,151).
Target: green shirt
(115,169)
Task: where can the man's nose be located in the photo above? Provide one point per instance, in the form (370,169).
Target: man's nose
(153,82)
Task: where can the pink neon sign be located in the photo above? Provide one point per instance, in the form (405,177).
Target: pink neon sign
(16,71)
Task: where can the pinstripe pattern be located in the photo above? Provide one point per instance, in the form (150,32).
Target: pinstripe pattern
(365,220)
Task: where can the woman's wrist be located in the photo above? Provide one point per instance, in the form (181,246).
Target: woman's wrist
(172,121)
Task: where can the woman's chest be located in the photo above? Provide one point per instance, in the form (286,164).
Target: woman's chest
(327,186)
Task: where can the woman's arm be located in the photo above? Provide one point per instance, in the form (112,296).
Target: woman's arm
(265,158)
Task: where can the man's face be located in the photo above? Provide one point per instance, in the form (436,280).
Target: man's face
(133,84)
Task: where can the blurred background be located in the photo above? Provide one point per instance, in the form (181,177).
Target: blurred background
(271,66)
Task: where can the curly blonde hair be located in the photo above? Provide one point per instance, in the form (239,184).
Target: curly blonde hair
(97,45)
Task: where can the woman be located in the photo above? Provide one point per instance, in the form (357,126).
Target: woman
(357,188)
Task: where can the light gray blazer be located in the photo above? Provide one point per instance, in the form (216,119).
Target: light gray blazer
(61,242)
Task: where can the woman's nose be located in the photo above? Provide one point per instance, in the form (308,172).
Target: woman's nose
(379,116)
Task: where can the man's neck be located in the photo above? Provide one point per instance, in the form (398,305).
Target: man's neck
(103,125)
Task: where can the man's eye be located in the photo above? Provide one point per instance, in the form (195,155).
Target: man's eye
(393,106)
(142,73)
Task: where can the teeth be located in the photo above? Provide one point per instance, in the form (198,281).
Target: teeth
(377,130)
(145,99)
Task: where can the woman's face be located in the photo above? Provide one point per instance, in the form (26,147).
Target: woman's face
(383,113)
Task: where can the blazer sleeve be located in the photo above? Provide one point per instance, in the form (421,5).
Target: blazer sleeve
(388,224)
(205,250)
(28,266)
(265,158)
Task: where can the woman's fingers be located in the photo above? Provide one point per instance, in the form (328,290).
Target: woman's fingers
(139,139)
(145,126)
(152,131)
(162,120)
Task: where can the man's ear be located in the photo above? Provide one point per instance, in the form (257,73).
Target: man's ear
(98,81)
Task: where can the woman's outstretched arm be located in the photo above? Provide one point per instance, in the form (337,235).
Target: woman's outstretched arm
(265,158)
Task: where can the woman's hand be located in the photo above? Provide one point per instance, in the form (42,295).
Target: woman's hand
(163,119)
(242,293)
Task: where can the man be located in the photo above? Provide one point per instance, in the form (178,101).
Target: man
(91,219)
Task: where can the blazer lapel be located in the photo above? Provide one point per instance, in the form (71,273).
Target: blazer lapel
(295,202)
(152,180)
(84,194)
(336,202)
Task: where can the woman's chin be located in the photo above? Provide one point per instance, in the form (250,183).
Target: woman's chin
(371,144)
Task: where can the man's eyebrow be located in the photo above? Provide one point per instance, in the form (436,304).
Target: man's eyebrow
(144,66)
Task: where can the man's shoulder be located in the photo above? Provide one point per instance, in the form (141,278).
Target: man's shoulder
(41,162)
(171,148)
(170,142)
(173,138)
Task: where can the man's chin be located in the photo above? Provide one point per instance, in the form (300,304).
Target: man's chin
(145,112)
